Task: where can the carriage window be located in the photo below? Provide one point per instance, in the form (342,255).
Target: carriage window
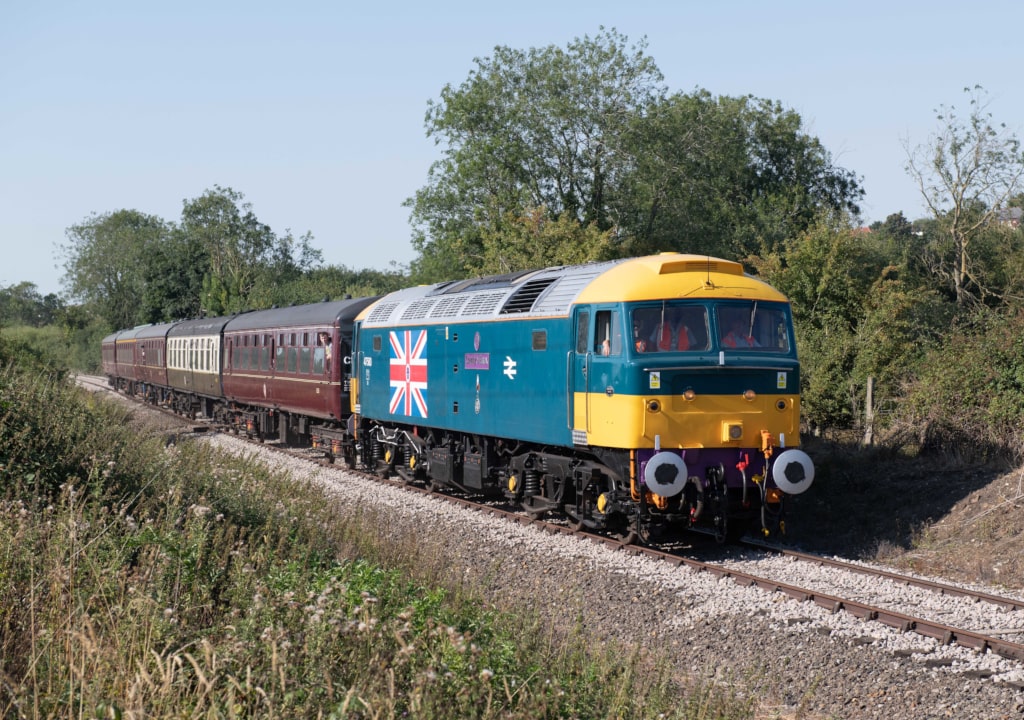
(265,359)
(304,357)
(318,361)
(293,359)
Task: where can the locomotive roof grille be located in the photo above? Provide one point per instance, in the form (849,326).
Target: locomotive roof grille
(524,298)
(418,309)
(483,303)
(382,312)
(449,306)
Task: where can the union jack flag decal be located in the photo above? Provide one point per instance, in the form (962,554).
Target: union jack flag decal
(409,373)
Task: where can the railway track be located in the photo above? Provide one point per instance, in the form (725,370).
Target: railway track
(872,608)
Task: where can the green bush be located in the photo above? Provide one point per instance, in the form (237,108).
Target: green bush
(968,399)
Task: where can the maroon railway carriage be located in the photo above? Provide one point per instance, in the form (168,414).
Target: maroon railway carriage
(151,361)
(133,359)
(108,354)
(284,367)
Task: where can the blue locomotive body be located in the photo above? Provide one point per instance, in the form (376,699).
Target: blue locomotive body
(503,379)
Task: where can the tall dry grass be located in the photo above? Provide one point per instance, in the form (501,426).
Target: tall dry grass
(144,581)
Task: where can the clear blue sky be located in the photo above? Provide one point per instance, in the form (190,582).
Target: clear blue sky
(314,110)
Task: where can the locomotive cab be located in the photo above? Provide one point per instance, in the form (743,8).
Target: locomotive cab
(702,397)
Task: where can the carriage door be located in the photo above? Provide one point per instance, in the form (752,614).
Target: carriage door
(229,355)
(579,367)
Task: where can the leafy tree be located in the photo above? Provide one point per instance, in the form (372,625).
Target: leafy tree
(897,239)
(534,129)
(335,282)
(286,265)
(535,241)
(21,304)
(235,243)
(105,261)
(966,173)
(826,273)
(587,134)
(242,254)
(726,176)
(855,317)
(900,323)
(173,272)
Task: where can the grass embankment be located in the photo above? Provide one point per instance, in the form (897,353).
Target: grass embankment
(138,580)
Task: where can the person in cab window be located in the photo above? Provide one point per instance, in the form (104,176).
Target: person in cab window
(639,342)
(673,333)
(738,335)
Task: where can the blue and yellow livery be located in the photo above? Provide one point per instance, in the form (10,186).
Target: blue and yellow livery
(634,395)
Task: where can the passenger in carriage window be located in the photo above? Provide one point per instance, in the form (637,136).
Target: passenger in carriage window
(324,339)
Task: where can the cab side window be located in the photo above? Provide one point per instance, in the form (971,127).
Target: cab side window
(607,333)
(582,332)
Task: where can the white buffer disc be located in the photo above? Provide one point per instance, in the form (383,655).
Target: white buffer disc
(665,474)
(793,471)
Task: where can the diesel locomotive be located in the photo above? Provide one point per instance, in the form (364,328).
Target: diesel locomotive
(636,396)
